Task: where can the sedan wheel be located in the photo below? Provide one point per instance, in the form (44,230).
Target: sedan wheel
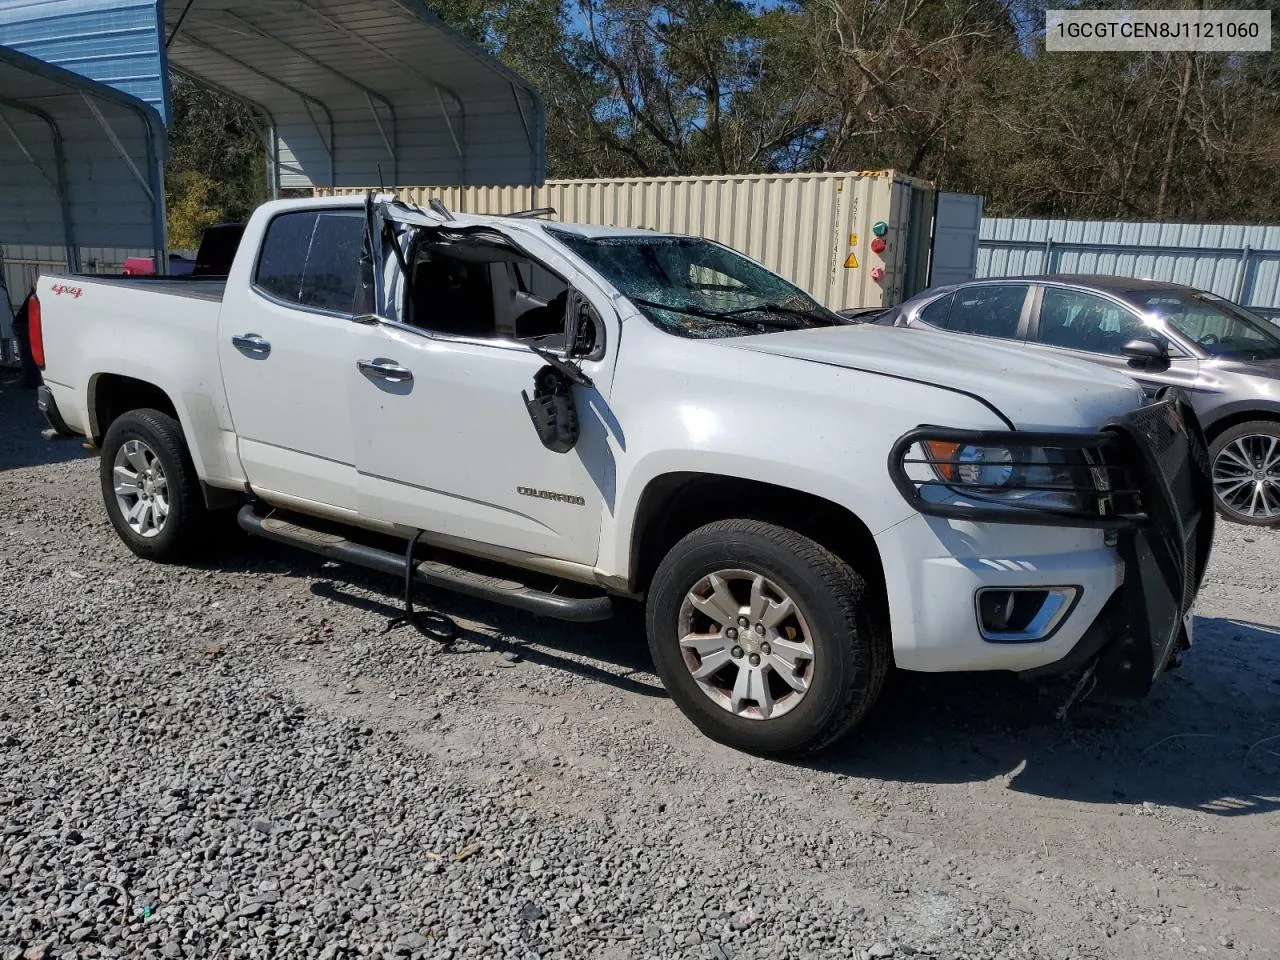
(1246,478)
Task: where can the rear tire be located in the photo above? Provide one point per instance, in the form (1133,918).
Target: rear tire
(1237,457)
(150,487)
(804,668)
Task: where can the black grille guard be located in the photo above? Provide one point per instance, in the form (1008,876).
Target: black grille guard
(1160,451)
(1177,487)
(1166,556)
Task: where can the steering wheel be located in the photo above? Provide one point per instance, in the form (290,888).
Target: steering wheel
(1209,340)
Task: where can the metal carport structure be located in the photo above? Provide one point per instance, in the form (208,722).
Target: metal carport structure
(80,165)
(80,162)
(351,89)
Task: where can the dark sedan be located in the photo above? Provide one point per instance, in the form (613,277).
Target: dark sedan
(1225,358)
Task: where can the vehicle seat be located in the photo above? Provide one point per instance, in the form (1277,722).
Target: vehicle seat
(1056,328)
(1092,335)
(450,296)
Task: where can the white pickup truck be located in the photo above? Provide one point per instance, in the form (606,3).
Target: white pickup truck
(550,415)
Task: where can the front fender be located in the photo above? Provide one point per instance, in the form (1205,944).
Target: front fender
(1255,409)
(698,407)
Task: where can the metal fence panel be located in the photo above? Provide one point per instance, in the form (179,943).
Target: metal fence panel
(1237,261)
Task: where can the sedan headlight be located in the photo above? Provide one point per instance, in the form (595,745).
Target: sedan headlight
(1016,477)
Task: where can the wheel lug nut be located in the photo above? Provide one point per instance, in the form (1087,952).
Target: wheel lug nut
(743,622)
(754,659)
(760,629)
(765,649)
(731,633)
(737,653)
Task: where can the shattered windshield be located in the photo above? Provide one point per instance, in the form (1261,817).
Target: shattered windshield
(692,287)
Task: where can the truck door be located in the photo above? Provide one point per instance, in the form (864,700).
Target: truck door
(444,442)
(285,343)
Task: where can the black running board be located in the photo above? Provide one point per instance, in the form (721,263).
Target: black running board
(434,573)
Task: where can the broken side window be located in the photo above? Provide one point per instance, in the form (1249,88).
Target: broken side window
(474,287)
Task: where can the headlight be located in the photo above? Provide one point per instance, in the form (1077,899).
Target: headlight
(985,466)
(972,465)
(1015,477)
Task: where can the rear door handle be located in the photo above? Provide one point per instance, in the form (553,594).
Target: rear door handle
(385,369)
(252,343)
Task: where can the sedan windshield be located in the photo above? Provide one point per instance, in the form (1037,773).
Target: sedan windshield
(1218,326)
(695,288)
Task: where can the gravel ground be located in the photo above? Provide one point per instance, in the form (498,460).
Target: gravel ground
(236,759)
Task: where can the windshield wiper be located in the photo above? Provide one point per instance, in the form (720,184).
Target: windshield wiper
(810,315)
(724,317)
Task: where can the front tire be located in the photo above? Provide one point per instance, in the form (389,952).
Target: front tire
(765,639)
(150,488)
(1246,473)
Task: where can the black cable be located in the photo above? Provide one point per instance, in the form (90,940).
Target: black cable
(430,623)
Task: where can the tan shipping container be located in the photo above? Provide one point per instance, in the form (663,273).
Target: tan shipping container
(815,229)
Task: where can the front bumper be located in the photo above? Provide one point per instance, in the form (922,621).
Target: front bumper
(1137,581)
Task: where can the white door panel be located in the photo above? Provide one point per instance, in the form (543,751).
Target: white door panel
(286,345)
(291,405)
(453,450)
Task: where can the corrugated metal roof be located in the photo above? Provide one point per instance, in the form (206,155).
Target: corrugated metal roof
(351,86)
(1238,261)
(79,161)
(116,42)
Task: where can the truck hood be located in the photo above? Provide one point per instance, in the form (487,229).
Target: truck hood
(1032,390)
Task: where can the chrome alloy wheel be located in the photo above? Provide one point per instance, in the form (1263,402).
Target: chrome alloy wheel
(1246,476)
(746,643)
(142,490)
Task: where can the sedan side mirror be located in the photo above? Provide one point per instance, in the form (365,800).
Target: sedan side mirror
(1144,353)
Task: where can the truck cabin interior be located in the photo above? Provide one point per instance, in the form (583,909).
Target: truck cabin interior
(479,287)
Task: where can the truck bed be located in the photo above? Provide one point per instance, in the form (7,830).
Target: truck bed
(196,288)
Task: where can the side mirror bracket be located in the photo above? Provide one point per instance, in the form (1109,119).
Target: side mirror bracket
(585,330)
(552,409)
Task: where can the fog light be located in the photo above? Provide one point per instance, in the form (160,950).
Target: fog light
(1022,614)
(995,609)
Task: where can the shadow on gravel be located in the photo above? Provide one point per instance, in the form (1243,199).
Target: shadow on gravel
(618,644)
(21,444)
(1208,737)
(593,641)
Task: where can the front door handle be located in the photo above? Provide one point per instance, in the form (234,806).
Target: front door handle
(252,343)
(385,369)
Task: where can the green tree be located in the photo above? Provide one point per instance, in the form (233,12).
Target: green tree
(961,92)
(216,169)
